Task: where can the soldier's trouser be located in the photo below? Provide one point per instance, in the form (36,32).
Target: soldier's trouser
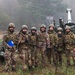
(59,57)
(10,60)
(52,54)
(73,59)
(24,58)
(33,59)
(43,55)
(48,54)
(68,56)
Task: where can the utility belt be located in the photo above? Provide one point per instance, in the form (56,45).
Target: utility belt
(69,44)
(51,45)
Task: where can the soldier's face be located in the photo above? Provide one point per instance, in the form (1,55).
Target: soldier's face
(67,30)
(33,31)
(43,29)
(59,32)
(24,30)
(11,29)
(51,28)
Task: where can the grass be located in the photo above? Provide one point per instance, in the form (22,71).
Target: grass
(49,70)
(0,40)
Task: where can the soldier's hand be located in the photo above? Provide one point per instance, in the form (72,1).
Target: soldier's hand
(9,47)
(74,49)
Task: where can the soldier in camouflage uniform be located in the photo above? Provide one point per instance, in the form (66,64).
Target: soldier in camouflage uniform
(9,55)
(69,43)
(33,39)
(42,42)
(23,46)
(60,45)
(53,44)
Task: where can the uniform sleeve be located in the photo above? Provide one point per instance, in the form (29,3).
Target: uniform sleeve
(47,36)
(4,41)
(38,34)
(73,36)
(15,39)
(47,39)
(56,39)
(19,38)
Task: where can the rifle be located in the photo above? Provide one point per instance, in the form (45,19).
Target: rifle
(62,24)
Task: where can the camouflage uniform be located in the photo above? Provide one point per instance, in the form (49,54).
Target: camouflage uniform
(69,44)
(42,42)
(60,45)
(33,48)
(23,47)
(73,56)
(10,57)
(53,45)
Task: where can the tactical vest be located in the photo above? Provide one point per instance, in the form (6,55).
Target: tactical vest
(69,38)
(33,39)
(42,37)
(52,38)
(69,41)
(23,38)
(60,41)
(10,37)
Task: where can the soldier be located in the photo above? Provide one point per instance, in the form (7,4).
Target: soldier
(42,42)
(33,39)
(69,43)
(60,45)
(53,44)
(23,46)
(9,55)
